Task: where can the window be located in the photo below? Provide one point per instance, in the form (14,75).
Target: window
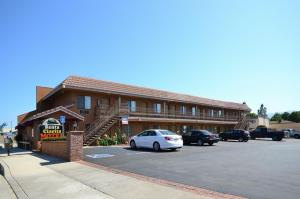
(210,112)
(157,108)
(194,133)
(145,133)
(182,109)
(205,132)
(84,102)
(132,106)
(193,111)
(152,133)
(156,126)
(167,132)
(220,113)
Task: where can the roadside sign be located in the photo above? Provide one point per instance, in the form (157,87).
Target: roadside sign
(62,119)
(125,120)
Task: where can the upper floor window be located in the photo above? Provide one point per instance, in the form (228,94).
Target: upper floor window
(84,102)
(220,113)
(210,112)
(132,106)
(182,109)
(193,111)
(157,108)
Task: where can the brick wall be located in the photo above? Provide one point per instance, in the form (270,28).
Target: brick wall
(55,148)
(75,144)
(70,150)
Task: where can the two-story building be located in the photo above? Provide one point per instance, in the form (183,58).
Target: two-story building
(101,107)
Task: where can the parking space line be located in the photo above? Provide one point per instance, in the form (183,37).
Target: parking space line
(95,156)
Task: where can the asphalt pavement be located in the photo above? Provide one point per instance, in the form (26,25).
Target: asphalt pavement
(259,169)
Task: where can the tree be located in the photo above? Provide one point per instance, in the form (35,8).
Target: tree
(262,111)
(276,117)
(285,115)
(252,115)
(294,116)
(2,126)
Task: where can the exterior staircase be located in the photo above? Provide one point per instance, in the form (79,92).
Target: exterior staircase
(101,126)
(242,123)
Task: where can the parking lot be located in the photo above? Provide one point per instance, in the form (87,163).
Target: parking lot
(256,169)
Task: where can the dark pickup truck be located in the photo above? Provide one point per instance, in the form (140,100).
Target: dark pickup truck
(264,132)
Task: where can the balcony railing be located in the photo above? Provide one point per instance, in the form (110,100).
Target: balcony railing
(174,114)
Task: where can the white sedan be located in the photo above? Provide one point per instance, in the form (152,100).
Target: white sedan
(156,139)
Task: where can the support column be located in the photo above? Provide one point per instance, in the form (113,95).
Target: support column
(119,103)
(75,145)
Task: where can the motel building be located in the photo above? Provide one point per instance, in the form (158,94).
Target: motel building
(99,107)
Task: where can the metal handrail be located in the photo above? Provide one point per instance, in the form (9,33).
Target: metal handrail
(146,111)
(109,114)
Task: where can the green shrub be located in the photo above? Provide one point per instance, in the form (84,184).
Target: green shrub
(117,138)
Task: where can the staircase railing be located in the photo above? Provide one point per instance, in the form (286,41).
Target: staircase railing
(242,123)
(99,122)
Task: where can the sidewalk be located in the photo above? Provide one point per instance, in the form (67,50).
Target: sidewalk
(42,176)
(5,189)
(30,178)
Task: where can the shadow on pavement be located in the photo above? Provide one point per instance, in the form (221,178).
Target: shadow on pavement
(149,150)
(49,159)
(18,151)
(14,151)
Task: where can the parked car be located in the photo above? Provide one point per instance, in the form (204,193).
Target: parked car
(156,139)
(200,137)
(264,132)
(292,133)
(236,134)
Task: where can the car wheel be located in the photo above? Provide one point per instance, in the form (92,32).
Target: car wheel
(174,149)
(200,143)
(296,136)
(132,144)
(156,146)
(246,140)
(274,138)
(253,138)
(241,139)
(211,143)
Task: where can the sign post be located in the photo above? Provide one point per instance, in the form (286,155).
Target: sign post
(62,120)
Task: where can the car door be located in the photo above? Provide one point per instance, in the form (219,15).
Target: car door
(194,136)
(234,134)
(150,139)
(141,139)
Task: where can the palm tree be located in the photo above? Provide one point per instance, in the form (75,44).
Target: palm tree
(2,126)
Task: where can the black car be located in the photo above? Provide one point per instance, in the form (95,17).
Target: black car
(236,134)
(200,137)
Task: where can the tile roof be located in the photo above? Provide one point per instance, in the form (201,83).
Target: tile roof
(90,84)
(50,111)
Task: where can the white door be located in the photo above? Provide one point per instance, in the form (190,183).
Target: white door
(141,139)
(151,138)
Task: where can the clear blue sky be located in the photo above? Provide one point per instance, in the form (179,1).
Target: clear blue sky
(228,50)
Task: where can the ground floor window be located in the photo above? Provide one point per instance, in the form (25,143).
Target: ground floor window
(126,130)
(156,127)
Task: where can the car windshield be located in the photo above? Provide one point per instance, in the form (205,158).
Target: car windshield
(166,132)
(206,132)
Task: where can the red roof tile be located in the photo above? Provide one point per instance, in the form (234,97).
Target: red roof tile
(90,84)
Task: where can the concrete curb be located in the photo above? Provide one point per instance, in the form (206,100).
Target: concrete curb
(17,189)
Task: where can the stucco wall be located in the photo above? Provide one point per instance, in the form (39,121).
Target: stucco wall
(285,125)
